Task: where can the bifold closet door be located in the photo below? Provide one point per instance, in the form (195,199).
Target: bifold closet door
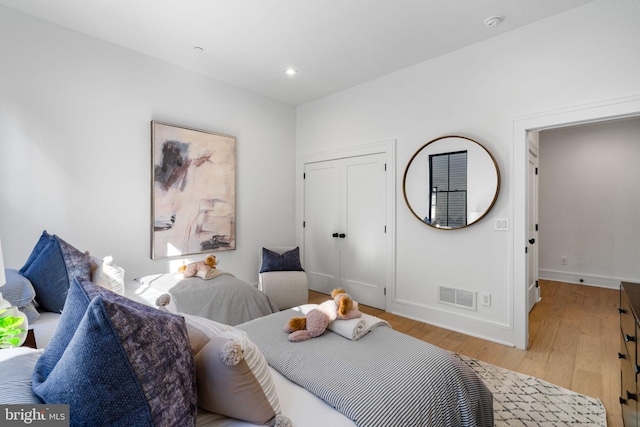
(322,207)
(345,203)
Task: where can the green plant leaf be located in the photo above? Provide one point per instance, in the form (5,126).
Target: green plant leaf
(10,322)
(13,341)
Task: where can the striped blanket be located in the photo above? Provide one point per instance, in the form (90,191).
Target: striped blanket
(384,379)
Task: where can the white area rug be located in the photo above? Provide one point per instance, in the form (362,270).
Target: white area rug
(522,400)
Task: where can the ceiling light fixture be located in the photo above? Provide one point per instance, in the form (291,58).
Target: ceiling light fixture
(493,21)
(291,72)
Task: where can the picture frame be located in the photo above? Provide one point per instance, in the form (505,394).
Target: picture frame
(192,191)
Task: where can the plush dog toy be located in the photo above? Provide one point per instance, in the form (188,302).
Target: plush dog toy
(204,269)
(316,321)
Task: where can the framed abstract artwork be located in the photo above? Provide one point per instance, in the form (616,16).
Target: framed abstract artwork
(192,191)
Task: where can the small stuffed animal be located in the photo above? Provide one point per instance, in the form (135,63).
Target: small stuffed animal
(317,320)
(204,269)
(347,308)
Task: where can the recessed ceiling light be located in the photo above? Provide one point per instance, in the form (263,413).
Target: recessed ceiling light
(198,49)
(291,72)
(492,21)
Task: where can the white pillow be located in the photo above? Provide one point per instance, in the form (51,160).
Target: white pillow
(233,376)
(108,275)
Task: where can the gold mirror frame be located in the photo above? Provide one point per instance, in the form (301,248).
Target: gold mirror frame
(460,140)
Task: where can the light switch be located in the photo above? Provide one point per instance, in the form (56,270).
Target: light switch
(502,224)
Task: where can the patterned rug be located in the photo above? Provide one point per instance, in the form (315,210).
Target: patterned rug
(521,400)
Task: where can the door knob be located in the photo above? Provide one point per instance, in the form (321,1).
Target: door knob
(532,241)
(342,235)
(335,234)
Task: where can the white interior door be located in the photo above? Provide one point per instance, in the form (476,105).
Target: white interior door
(322,220)
(344,227)
(532,229)
(363,272)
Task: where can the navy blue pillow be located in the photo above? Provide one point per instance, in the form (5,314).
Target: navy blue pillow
(40,244)
(273,261)
(51,267)
(118,363)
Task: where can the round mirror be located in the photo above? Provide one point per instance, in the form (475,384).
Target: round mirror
(451,182)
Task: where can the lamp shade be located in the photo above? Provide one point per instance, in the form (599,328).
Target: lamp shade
(3,278)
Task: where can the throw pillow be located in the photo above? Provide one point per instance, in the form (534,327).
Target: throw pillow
(118,362)
(287,261)
(51,267)
(18,289)
(20,293)
(16,365)
(108,275)
(233,376)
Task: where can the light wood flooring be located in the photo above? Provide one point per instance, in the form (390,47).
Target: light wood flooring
(574,335)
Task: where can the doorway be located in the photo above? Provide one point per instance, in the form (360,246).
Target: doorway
(612,109)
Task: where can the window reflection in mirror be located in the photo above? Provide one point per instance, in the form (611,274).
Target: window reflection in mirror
(451,182)
(447,190)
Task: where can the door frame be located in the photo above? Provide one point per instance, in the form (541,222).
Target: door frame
(386,147)
(581,114)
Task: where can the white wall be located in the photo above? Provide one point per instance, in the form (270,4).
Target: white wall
(590,203)
(583,56)
(75,118)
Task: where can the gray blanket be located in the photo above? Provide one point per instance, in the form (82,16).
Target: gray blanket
(386,378)
(224,299)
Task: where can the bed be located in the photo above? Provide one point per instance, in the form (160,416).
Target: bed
(383,378)
(223,298)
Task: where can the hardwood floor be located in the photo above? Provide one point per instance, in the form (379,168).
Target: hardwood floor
(574,335)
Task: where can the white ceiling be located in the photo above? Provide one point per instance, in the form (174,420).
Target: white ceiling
(334,44)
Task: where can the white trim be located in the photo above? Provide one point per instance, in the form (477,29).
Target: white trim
(439,312)
(587,279)
(386,147)
(454,329)
(587,113)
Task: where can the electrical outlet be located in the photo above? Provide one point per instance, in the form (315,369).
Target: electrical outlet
(563,260)
(486,299)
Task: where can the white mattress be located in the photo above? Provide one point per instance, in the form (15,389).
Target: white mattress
(44,327)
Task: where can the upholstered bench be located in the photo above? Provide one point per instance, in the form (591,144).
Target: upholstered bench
(282,278)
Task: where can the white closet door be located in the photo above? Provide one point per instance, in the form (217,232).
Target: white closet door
(347,198)
(362,259)
(322,220)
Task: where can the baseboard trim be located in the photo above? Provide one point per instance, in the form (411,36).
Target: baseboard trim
(583,279)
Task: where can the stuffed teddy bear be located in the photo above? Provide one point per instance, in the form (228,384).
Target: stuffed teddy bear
(203,269)
(316,321)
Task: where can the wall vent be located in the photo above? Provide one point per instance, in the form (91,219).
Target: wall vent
(457,297)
